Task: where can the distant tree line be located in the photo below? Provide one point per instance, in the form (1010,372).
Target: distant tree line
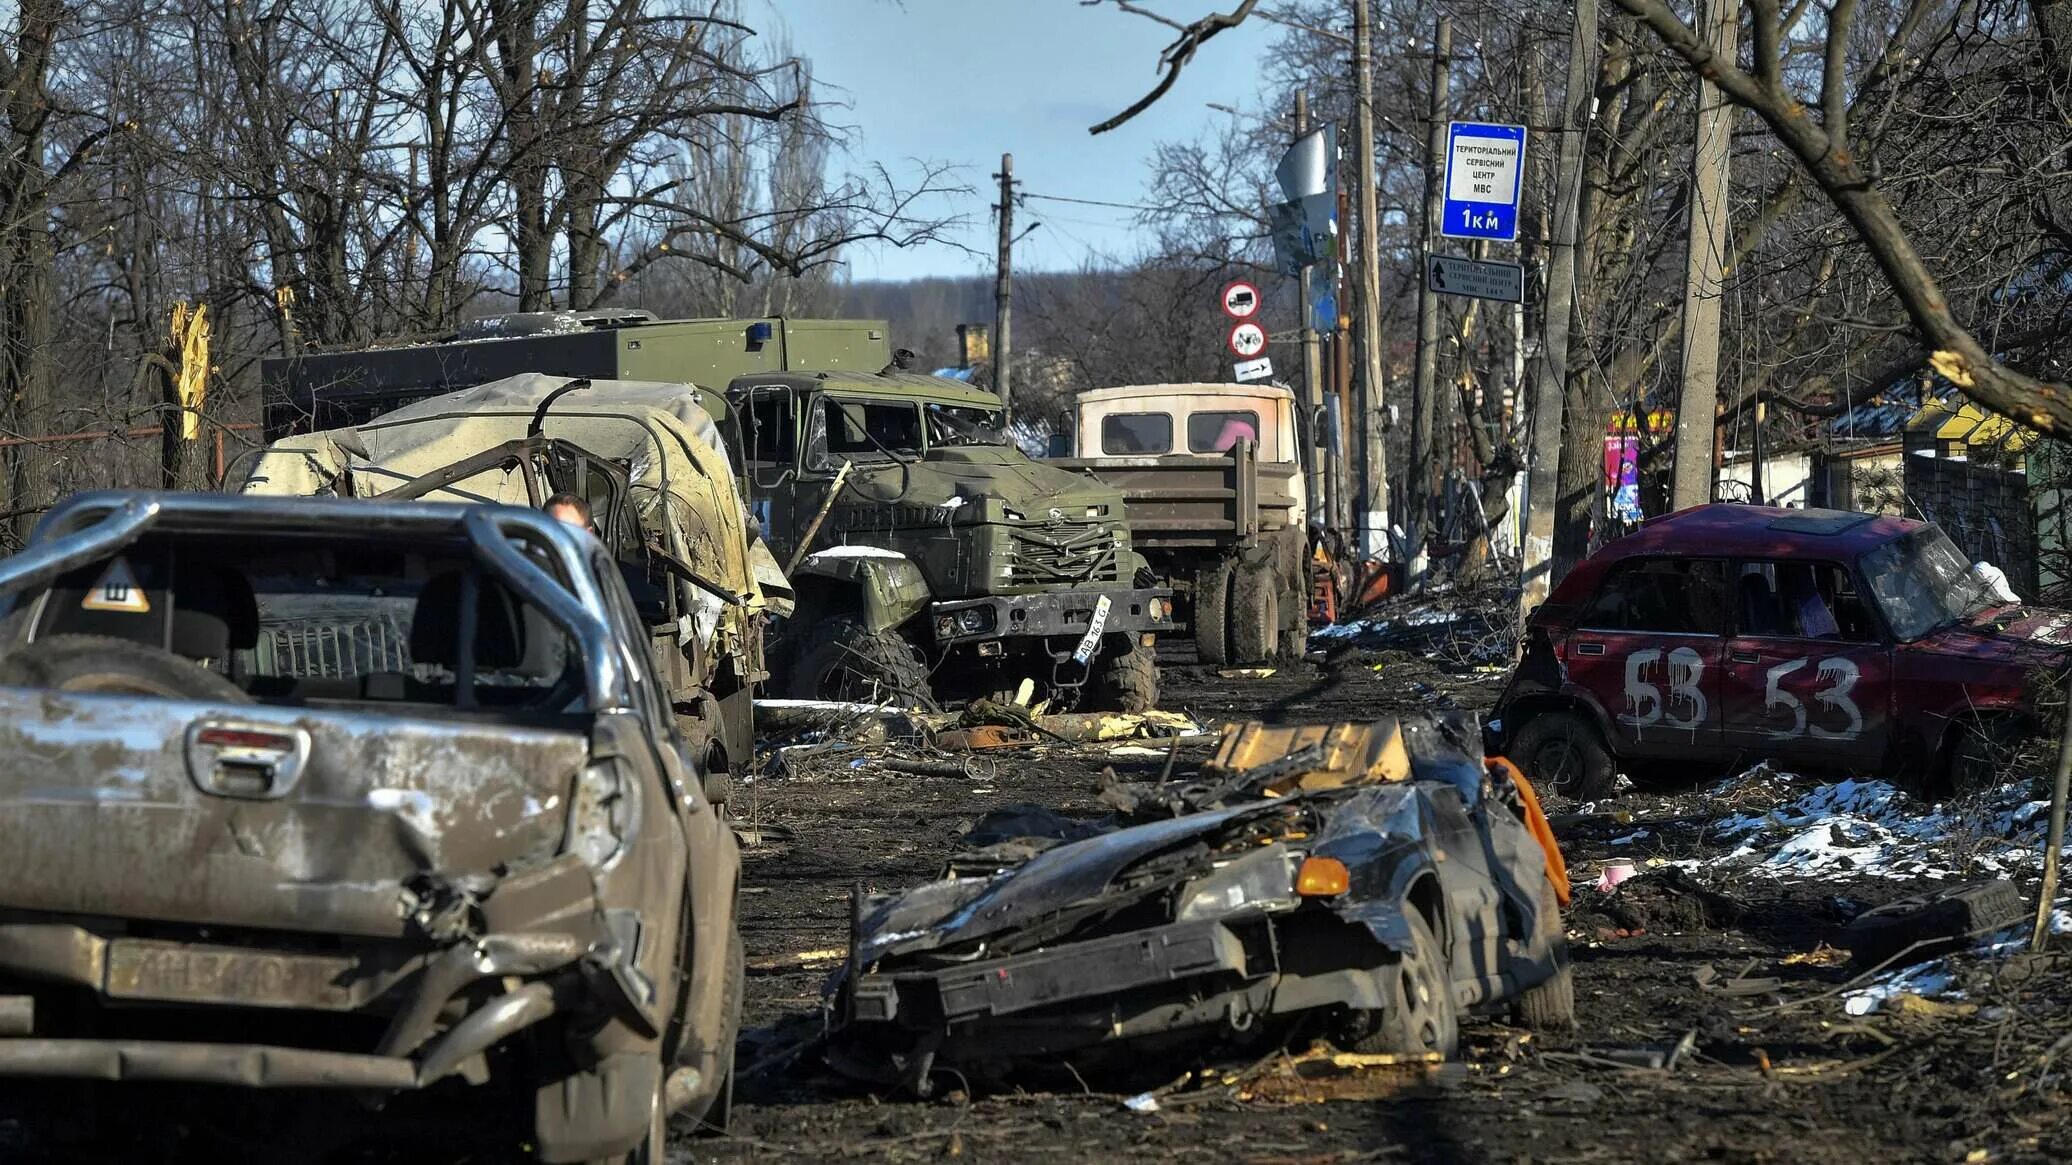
(328,173)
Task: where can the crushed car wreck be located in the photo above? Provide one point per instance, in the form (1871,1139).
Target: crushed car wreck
(481,858)
(1368,883)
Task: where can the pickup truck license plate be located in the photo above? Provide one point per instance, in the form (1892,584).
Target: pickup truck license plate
(144,969)
(1092,639)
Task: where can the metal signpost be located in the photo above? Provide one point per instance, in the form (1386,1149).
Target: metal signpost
(1485,167)
(1475,278)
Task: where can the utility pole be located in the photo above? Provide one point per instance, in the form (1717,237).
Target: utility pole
(1373,486)
(1003,290)
(1697,407)
(1418,481)
(1313,456)
(1550,363)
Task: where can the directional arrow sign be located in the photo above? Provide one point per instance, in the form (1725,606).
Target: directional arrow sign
(1475,278)
(1485,166)
(1247,340)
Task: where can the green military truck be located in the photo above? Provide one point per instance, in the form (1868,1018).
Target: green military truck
(930,558)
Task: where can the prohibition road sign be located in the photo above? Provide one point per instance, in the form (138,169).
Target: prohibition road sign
(1240,300)
(1247,339)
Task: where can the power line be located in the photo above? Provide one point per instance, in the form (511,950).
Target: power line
(1084,202)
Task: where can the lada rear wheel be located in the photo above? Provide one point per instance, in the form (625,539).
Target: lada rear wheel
(1560,752)
(1551,1005)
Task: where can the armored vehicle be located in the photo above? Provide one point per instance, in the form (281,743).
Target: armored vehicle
(930,557)
(479,886)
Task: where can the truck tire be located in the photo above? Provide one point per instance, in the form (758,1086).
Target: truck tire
(1422,1015)
(1124,681)
(1550,1006)
(1561,752)
(1212,586)
(103,663)
(1934,922)
(1255,614)
(842,660)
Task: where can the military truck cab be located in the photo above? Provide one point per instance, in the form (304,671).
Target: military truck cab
(929,555)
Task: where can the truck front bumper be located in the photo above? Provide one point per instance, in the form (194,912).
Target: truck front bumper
(1134,611)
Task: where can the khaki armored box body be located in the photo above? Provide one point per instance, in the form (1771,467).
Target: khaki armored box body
(337,389)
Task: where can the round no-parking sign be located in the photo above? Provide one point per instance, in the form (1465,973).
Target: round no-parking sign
(1247,339)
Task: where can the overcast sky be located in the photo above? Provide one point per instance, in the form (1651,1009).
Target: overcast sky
(961,81)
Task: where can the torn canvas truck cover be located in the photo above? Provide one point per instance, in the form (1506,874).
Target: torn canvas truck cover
(1378,903)
(233,867)
(681,482)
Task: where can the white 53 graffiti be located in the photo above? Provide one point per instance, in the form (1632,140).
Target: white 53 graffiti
(1682,704)
(1684,707)
(1840,675)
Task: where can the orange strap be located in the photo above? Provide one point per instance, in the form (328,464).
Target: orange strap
(1536,822)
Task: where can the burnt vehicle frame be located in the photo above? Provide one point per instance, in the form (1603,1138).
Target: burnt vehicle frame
(1218,926)
(594,974)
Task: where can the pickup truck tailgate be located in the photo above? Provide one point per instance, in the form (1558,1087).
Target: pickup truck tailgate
(280,818)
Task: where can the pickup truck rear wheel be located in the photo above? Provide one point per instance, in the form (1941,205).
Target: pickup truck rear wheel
(1563,753)
(1255,614)
(842,660)
(1212,608)
(103,663)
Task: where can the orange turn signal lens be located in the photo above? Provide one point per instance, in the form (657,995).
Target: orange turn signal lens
(1322,878)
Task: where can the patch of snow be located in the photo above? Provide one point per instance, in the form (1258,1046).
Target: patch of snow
(1927,980)
(1871,827)
(853,552)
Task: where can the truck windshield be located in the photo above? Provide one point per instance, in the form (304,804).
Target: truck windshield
(861,428)
(964,425)
(1922,582)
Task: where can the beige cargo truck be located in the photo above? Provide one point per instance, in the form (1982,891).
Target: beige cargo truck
(1212,486)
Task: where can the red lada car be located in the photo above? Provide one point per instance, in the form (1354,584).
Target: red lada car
(1815,639)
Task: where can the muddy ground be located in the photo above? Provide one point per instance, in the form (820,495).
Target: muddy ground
(1778,1071)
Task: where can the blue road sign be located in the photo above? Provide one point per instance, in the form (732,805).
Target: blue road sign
(1485,169)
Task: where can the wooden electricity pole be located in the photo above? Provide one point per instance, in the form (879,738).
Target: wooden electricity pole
(1697,406)
(1373,485)
(1550,363)
(1418,481)
(1003,289)
(1312,363)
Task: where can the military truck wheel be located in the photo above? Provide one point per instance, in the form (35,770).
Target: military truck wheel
(1255,614)
(1125,681)
(1294,640)
(1212,586)
(103,663)
(843,661)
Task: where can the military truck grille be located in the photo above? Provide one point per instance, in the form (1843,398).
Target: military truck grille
(1062,553)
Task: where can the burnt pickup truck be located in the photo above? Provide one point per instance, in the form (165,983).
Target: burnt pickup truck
(479,883)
